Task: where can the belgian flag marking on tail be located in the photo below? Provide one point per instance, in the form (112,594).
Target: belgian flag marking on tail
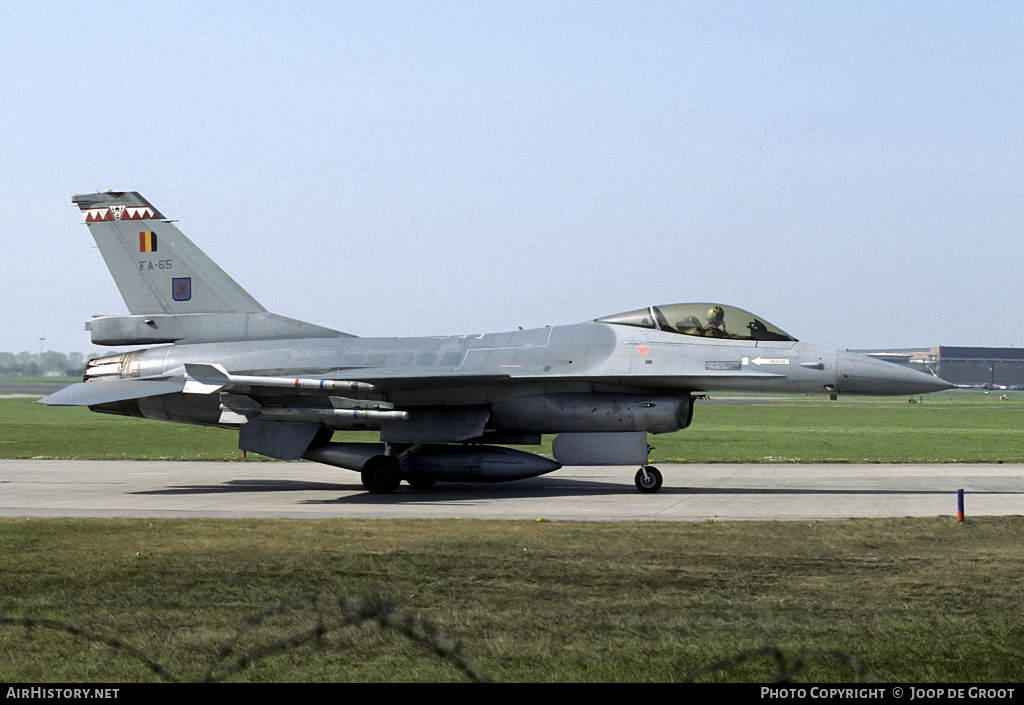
(147,242)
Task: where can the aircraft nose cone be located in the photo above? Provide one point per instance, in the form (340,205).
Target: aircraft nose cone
(859,374)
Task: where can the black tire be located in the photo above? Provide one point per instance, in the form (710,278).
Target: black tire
(381,474)
(651,483)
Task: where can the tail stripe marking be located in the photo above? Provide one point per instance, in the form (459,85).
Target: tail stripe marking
(96,215)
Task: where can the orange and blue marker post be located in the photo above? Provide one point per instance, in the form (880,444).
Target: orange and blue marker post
(960,505)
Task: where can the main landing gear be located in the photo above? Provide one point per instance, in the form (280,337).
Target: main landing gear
(648,479)
(382,474)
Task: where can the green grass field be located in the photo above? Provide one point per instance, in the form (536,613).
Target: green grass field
(912,600)
(942,428)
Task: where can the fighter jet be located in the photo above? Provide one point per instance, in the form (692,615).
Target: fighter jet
(445,407)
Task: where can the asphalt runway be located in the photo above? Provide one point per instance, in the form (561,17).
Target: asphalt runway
(692,492)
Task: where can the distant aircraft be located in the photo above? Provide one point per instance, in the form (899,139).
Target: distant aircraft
(444,406)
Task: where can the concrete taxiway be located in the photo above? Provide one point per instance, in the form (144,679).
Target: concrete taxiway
(692,492)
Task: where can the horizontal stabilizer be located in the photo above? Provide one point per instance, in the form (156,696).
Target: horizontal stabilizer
(95,393)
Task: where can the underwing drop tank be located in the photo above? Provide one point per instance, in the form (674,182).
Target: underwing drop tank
(440,463)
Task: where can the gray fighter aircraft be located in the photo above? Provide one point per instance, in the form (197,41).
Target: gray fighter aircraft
(444,406)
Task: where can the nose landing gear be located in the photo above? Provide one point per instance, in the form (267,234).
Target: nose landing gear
(648,479)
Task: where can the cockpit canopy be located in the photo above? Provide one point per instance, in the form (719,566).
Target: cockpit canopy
(701,320)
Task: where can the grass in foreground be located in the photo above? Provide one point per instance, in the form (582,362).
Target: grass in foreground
(913,600)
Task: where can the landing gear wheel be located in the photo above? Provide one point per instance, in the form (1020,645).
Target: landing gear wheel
(648,479)
(381,474)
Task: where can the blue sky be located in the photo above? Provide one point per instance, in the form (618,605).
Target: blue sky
(853,172)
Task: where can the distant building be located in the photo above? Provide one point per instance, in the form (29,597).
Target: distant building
(960,365)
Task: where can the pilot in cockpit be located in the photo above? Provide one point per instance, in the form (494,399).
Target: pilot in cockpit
(716,318)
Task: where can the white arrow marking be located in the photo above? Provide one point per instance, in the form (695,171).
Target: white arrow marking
(770,361)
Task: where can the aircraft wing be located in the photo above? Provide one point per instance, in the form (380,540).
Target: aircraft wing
(95,393)
(206,381)
(108,391)
(672,383)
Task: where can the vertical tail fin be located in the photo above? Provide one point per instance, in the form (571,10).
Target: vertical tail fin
(156,268)
(175,293)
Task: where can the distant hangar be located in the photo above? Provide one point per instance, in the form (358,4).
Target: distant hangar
(1002,367)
